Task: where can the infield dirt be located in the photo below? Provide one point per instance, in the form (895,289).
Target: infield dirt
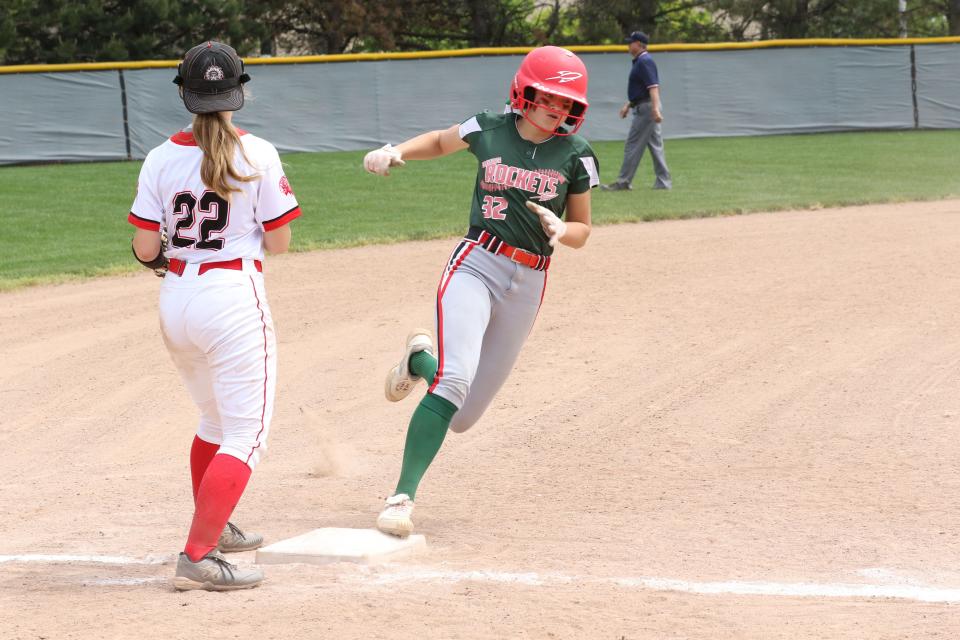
(769,398)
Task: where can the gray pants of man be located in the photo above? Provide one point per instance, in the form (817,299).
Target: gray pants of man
(644,132)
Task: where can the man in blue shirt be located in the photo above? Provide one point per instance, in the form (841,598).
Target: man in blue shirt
(643,98)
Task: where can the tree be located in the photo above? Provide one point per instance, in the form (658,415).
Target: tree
(795,18)
(953,16)
(603,21)
(51,31)
(107,30)
(343,26)
(331,26)
(455,24)
(766,19)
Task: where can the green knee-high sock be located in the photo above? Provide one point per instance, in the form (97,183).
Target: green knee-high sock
(428,428)
(424,365)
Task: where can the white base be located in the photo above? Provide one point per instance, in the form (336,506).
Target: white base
(331,544)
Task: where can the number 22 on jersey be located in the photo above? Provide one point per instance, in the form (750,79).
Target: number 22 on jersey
(214,213)
(493,207)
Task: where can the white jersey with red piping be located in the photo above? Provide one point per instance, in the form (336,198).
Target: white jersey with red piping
(201,225)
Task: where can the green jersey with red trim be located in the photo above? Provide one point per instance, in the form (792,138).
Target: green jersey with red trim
(513,170)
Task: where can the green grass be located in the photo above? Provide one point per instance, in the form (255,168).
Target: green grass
(62,222)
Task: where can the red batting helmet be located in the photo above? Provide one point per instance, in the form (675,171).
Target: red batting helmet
(552,70)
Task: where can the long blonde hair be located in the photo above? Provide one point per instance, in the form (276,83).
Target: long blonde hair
(219,140)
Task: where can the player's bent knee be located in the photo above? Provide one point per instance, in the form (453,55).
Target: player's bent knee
(246,453)
(453,390)
(245,440)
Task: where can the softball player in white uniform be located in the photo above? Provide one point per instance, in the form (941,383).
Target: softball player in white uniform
(220,197)
(533,170)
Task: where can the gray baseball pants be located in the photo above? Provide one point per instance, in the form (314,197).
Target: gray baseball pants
(486,307)
(644,132)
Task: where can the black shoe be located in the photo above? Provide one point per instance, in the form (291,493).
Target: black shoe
(616,186)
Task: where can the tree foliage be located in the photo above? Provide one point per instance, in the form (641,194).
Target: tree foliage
(607,21)
(339,26)
(768,19)
(48,31)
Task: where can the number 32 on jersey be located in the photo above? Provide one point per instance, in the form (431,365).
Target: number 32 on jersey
(493,207)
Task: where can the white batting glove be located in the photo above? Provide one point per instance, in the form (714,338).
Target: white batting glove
(380,160)
(554,227)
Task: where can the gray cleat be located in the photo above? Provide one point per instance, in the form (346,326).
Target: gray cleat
(233,539)
(214,573)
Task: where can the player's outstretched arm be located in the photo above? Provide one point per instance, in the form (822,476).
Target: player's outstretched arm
(425,146)
(380,160)
(433,144)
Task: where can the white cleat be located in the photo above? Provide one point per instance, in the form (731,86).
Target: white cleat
(395,518)
(400,380)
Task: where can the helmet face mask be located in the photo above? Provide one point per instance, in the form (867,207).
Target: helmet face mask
(557,72)
(569,118)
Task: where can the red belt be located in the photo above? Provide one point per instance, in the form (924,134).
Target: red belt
(177,266)
(493,244)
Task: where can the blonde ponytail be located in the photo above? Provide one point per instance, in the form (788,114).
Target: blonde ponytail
(219,141)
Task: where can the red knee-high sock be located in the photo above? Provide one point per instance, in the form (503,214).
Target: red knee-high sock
(219,492)
(201,453)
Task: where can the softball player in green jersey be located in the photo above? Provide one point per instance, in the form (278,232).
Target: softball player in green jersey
(532,192)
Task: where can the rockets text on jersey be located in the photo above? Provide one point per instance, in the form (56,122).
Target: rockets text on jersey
(513,170)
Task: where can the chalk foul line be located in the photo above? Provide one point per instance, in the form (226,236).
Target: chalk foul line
(903,588)
(903,591)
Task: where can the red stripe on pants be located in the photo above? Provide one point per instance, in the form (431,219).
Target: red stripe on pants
(266,360)
(440,291)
